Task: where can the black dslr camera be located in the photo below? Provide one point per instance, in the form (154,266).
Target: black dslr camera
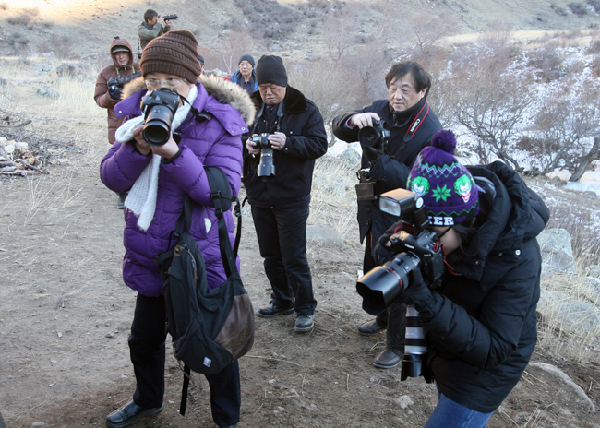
(120,82)
(266,169)
(159,107)
(416,248)
(373,136)
(115,84)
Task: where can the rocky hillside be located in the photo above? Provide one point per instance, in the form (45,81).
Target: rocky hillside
(297,28)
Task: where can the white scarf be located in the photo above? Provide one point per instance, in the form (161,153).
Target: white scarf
(141,198)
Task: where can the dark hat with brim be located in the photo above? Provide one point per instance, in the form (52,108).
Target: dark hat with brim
(119,49)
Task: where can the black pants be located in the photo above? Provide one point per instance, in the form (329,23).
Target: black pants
(281,236)
(394,317)
(147,351)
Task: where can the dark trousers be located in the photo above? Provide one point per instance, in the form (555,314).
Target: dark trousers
(147,351)
(394,317)
(281,236)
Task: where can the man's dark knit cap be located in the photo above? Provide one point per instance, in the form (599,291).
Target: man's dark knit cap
(247,57)
(270,69)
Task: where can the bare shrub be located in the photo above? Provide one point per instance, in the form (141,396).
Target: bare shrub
(428,30)
(235,43)
(549,59)
(594,46)
(578,9)
(337,30)
(269,18)
(62,46)
(595,4)
(559,10)
(489,102)
(567,127)
(18,42)
(334,87)
(22,20)
(595,65)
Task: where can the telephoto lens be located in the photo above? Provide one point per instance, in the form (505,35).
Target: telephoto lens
(414,360)
(159,107)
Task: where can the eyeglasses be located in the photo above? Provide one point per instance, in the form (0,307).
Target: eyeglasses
(171,82)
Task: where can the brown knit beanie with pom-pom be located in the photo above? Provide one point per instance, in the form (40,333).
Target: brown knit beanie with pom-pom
(175,52)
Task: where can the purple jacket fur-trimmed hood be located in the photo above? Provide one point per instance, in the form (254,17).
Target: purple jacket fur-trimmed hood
(215,142)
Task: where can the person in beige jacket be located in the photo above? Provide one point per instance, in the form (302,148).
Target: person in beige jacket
(122,66)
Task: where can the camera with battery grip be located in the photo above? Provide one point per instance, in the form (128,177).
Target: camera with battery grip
(266,168)
(414,252)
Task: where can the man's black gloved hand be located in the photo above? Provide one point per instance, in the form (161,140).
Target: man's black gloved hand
(115,93)
(383,251)
(417,292)
(372,152)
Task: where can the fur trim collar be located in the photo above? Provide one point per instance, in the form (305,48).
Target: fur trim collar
(222,90)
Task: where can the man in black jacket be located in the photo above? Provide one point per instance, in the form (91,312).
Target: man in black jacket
(296,137)
(411,123)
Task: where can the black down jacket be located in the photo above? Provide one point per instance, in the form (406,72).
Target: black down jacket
(481,323)
(306,141)
(392,168)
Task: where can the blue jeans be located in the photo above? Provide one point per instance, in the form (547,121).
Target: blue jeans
(450,414)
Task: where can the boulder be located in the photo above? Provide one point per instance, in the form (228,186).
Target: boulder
(556,250)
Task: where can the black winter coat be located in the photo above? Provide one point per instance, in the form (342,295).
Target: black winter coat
(306,140)
(392,168)
(481,324)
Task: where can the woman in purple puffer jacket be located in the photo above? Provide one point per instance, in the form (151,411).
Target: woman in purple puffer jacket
(157,178)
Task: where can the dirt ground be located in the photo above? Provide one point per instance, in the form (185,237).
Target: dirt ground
(66,314)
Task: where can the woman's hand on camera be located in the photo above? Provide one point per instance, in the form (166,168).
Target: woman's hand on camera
(167,150)
(142,146)
(251,147)
(363,119)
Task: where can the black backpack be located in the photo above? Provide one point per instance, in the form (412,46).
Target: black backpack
(210,329)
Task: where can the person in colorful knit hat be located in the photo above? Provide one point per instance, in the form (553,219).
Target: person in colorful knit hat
(481,324)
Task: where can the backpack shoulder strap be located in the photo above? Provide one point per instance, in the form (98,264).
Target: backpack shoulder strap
(220,193)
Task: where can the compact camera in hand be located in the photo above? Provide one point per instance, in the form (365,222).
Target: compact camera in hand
(159,107)
(266,168)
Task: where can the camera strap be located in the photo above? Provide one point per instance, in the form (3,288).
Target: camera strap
(416,123)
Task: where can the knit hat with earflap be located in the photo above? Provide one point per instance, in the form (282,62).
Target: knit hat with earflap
(447,187)
(175,52)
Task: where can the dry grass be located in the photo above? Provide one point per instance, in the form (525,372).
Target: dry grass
(73,116)
(333,201)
